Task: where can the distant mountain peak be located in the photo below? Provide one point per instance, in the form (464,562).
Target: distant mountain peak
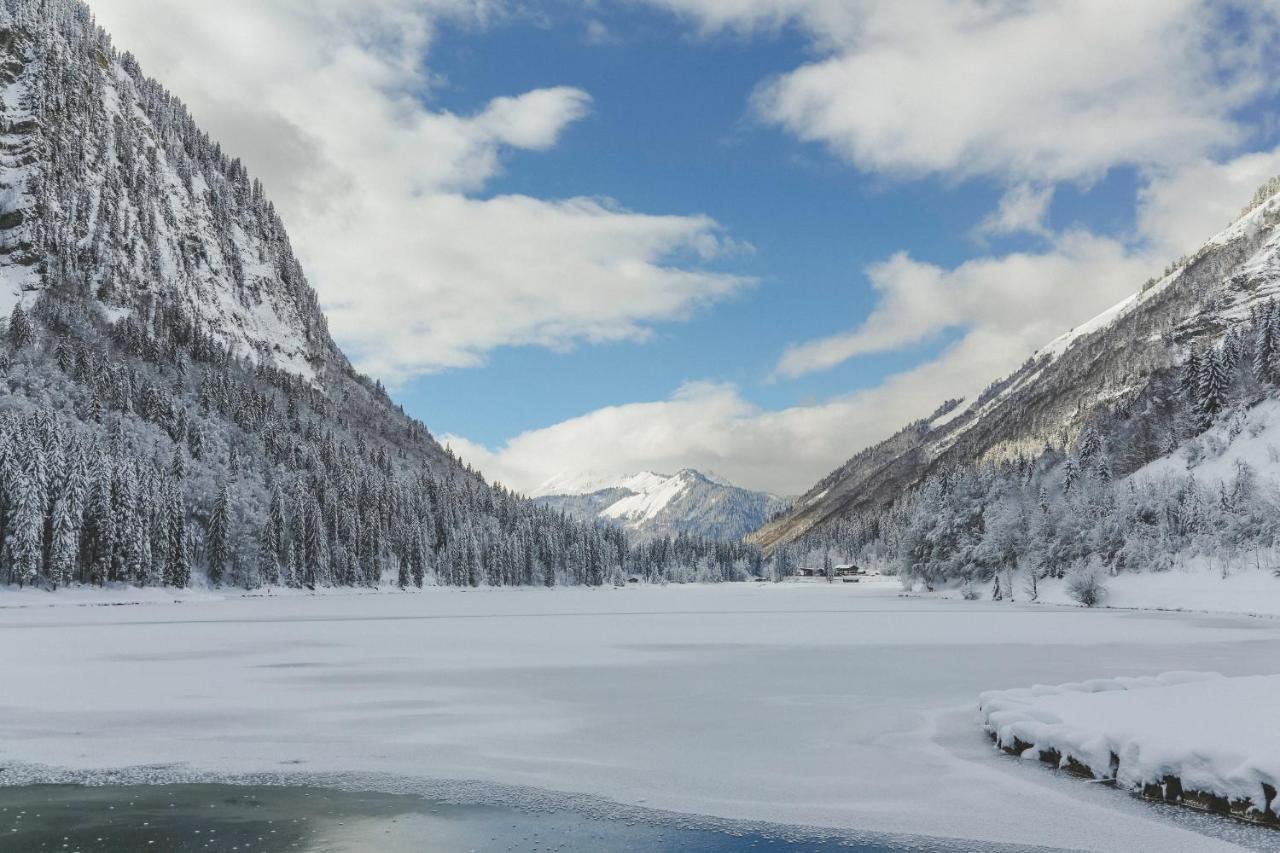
(651,504)
(706,476)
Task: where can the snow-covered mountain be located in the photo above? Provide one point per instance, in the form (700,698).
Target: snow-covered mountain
(654,505)
(1105,368)
(172,407)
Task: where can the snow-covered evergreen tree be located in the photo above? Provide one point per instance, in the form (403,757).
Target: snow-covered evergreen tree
(25,526)
(19,331)
(218,539)
(1213,386)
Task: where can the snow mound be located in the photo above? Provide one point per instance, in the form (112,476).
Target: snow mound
(1198,739)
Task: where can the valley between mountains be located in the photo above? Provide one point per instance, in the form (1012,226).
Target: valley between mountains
(228,555)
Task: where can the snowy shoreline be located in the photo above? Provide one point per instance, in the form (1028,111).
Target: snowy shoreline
(14,598)
(1192,739)
(1193,592)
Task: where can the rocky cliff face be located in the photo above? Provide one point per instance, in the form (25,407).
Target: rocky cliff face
(109,190)
(1101,364)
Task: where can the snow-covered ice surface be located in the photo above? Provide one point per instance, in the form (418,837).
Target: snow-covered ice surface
(840,705)
(1215,735)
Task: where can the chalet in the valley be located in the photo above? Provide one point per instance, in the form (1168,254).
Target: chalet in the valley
(843,572)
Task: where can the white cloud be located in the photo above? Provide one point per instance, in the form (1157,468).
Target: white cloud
(1178,209)
(1042,90)
(745,16)
(325,101)
(1029,297)
(713,427)
(513,270)
(703,425)
(1022,208)
(597,32)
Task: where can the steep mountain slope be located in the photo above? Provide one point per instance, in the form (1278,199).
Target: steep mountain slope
(172,407)
(108,189)
(1099,367)
(652,505)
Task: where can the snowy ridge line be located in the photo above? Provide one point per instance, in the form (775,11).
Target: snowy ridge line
(470,792)
(1194,739)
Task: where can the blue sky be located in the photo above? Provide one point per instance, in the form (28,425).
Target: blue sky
(670,130)
(749,236)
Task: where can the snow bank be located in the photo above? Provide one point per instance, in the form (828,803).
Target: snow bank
(1198,739)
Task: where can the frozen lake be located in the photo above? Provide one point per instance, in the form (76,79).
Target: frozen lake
(841,707)
(200,818)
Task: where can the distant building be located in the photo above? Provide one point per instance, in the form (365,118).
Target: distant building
(845,571)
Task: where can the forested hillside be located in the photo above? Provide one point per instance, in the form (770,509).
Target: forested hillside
(172,408)
(1169,458)
(1090,370)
